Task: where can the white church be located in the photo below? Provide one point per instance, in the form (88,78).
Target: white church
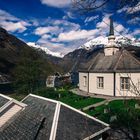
(113,72)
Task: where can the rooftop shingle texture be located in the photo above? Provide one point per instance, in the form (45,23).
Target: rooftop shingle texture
(34,122)
(74,126)
(47,109)
(24,126)
(3,101)
(121,61)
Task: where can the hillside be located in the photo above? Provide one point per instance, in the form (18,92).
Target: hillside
(12,50)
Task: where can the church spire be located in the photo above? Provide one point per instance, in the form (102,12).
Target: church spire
(111,48)
(111,32)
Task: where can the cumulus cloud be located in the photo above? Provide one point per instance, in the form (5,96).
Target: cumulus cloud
(103,27)
(77,35)
(54,46)
(134,20)
(44,30)
(56,3)
(56,27)
(10,26)
(64,36)
(12,23)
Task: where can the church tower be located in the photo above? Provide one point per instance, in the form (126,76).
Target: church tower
(111,48)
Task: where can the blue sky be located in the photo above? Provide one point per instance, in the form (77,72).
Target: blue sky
(53,23)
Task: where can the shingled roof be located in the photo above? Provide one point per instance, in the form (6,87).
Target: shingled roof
(121,61)
(45,119)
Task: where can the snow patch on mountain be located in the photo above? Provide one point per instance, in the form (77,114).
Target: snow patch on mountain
(104,41)
(46,50)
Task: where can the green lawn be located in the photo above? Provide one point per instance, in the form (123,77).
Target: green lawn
(113,108)
(79,101)
(68,97)
(63,95)
(18,97)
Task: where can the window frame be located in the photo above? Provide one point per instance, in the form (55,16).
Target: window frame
(85,81)
(124,83)
(100,82)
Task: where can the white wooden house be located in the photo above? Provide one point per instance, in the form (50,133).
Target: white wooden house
(113,72)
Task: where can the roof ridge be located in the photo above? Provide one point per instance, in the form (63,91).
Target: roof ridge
(133,57)
(55,121)
(7,97)
(93,61)
(59,103)
(118,62)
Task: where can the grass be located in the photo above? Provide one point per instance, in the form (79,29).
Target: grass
(79,101)
(67,97)
(113,108)
(63,95)
(18,97)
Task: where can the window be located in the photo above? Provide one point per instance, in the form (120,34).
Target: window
(138,84)
(125,83)
(100,82)
(85,81)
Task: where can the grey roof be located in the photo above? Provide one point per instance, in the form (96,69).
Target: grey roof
(121,61)
(44,119)
(3,100)
(74,126)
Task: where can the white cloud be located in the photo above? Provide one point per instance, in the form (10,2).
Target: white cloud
(135,32)
(77,35)
(56,3)
(6,16)
(104,25)
(134,9)
(12,23)
(130,10)
(135,20)
(10,26)
(56,27)
(66,25)
(92,18)
(69,15)
(69,35)
(44,30)
(54,46)
(124,9)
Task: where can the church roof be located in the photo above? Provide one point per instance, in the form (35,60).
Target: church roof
(44,118)
(121,61)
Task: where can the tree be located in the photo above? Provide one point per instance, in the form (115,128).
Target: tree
(127,123)
(28,73)
(131,8)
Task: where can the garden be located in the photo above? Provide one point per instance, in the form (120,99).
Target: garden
(114,108)
(67,97)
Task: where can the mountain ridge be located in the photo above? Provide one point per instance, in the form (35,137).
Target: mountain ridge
(11,51)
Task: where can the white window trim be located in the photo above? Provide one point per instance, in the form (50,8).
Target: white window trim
(124,89)
(99,83)
(85,81)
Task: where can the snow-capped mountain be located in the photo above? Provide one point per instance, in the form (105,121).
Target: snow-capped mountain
(101,41)
(46,50)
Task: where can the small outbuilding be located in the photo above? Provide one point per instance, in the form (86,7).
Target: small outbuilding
(58,80)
